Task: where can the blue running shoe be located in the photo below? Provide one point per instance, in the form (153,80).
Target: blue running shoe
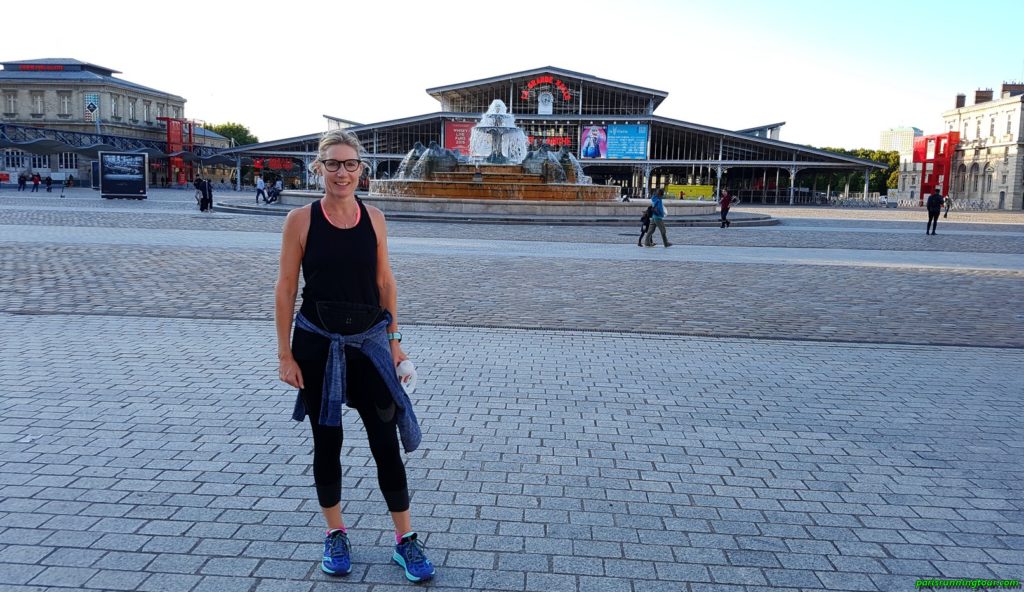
(337,556)
(409,553)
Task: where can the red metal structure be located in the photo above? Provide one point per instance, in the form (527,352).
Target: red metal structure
(935,154)
(180,138)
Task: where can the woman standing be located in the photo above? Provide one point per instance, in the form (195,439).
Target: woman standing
(725,202)
(345,347)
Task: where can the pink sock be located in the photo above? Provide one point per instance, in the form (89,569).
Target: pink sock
(333,530)
(399,537)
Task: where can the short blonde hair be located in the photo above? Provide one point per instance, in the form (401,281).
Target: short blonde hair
(333,138)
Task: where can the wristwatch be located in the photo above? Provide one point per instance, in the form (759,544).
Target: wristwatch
(396,336)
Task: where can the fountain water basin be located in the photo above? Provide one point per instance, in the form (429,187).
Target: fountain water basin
(499,167)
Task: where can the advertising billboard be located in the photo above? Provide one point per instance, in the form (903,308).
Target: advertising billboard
(123,174)
(457,135)
(594,143)
(690,191)
(627,141)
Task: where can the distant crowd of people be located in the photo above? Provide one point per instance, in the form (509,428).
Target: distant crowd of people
(271,194)
(36,180)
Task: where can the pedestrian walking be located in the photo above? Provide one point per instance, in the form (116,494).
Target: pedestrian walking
(657,220)
(934,206)
(345,347)
(724,203)
(36,180)
(207,195)
(947,202)
(49,184)
(645,223)
(22,180)
(261,189)
(204,193)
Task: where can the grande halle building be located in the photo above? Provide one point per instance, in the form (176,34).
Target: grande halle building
(610,126)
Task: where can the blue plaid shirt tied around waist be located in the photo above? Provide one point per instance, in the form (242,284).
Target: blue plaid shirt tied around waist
(373,343)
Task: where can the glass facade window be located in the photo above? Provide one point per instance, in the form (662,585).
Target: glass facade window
(145,110)
(114,110)
(555,134)
(10,103)
(1009,123)
(67,160)
(64,103)
(14,159)
(131,109)
(992,126)
(37,103)
(40,161)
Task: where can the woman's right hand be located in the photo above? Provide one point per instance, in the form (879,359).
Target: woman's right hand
(288,371)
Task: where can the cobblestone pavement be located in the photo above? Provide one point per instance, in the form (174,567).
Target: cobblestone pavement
(657,421)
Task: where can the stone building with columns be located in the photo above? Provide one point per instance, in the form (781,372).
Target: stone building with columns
(988,163)
(56,114)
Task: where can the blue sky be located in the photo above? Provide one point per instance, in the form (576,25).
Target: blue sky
(837,72)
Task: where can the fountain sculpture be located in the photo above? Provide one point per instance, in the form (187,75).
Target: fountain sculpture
(499,167)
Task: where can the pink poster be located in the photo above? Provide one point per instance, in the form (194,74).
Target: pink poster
(595,142)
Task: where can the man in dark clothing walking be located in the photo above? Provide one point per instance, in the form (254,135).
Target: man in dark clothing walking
(934,205)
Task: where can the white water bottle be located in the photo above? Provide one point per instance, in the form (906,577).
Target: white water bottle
(407,376)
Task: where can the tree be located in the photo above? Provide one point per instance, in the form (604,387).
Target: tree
(236,131)
(881,179)
(894,180)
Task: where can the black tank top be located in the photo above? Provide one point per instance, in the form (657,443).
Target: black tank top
(339,264)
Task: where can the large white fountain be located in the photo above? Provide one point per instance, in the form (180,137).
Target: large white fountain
(496,138)
(500,166)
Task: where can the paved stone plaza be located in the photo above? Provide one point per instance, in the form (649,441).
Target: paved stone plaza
(832,403)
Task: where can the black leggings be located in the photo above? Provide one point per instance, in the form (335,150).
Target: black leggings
(643,231)
(933,220)
(363,388)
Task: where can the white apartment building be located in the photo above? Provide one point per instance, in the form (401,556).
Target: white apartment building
(900,139)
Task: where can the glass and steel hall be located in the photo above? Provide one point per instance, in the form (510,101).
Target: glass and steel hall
(611,127)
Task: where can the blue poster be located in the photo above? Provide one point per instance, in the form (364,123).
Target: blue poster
(627,141)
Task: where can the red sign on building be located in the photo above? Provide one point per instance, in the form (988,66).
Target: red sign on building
(41,67)
(457,135)
(545,82)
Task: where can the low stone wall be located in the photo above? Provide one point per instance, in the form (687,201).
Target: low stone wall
(494,188)
(431,205)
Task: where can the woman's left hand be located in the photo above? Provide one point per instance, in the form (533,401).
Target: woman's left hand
(396,352)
